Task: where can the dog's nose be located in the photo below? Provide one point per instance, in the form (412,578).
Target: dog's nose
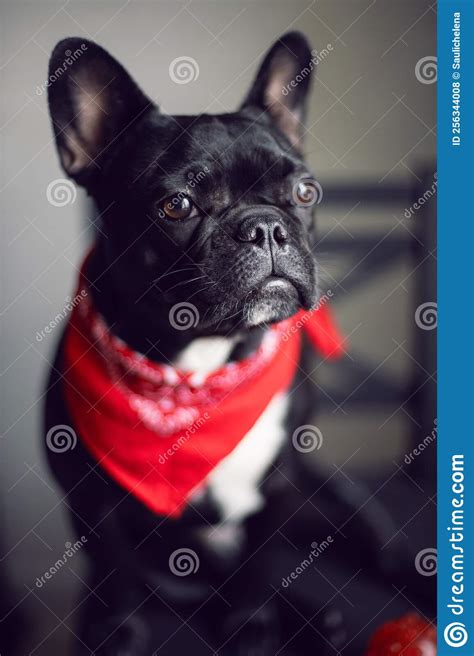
(262,231)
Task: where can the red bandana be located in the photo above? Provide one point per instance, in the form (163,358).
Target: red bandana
(159,431)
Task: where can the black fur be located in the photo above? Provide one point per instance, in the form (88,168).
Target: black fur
(240,170)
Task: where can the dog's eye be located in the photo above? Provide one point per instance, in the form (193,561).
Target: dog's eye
(178,207)
(307,193)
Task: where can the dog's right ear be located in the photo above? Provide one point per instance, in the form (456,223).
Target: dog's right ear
(93,101)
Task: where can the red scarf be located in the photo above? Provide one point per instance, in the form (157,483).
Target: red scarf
(159,431)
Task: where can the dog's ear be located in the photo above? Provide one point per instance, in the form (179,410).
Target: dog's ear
(282,85)
(93,102)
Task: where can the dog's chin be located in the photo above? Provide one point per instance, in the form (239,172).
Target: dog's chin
(275,300)
(271,301)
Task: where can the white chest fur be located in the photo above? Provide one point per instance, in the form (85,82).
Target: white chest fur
(234,483)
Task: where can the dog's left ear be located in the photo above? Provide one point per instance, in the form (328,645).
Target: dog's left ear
(282,85)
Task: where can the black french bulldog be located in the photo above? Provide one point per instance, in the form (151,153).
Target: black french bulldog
(203,209)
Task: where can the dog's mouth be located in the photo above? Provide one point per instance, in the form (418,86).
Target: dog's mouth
(271,300)
(246,300)
(276,283)
(275,299)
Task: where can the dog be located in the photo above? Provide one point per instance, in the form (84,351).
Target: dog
(203,257)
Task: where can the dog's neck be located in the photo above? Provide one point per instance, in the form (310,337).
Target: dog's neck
(186,350)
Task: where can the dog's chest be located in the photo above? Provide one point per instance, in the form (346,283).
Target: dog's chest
(234,484)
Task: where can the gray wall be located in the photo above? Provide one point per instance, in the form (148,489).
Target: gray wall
(370,120)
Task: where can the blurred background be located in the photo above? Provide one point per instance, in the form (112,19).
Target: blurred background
(371,141)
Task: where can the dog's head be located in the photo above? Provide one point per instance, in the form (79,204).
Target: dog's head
(215,211)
